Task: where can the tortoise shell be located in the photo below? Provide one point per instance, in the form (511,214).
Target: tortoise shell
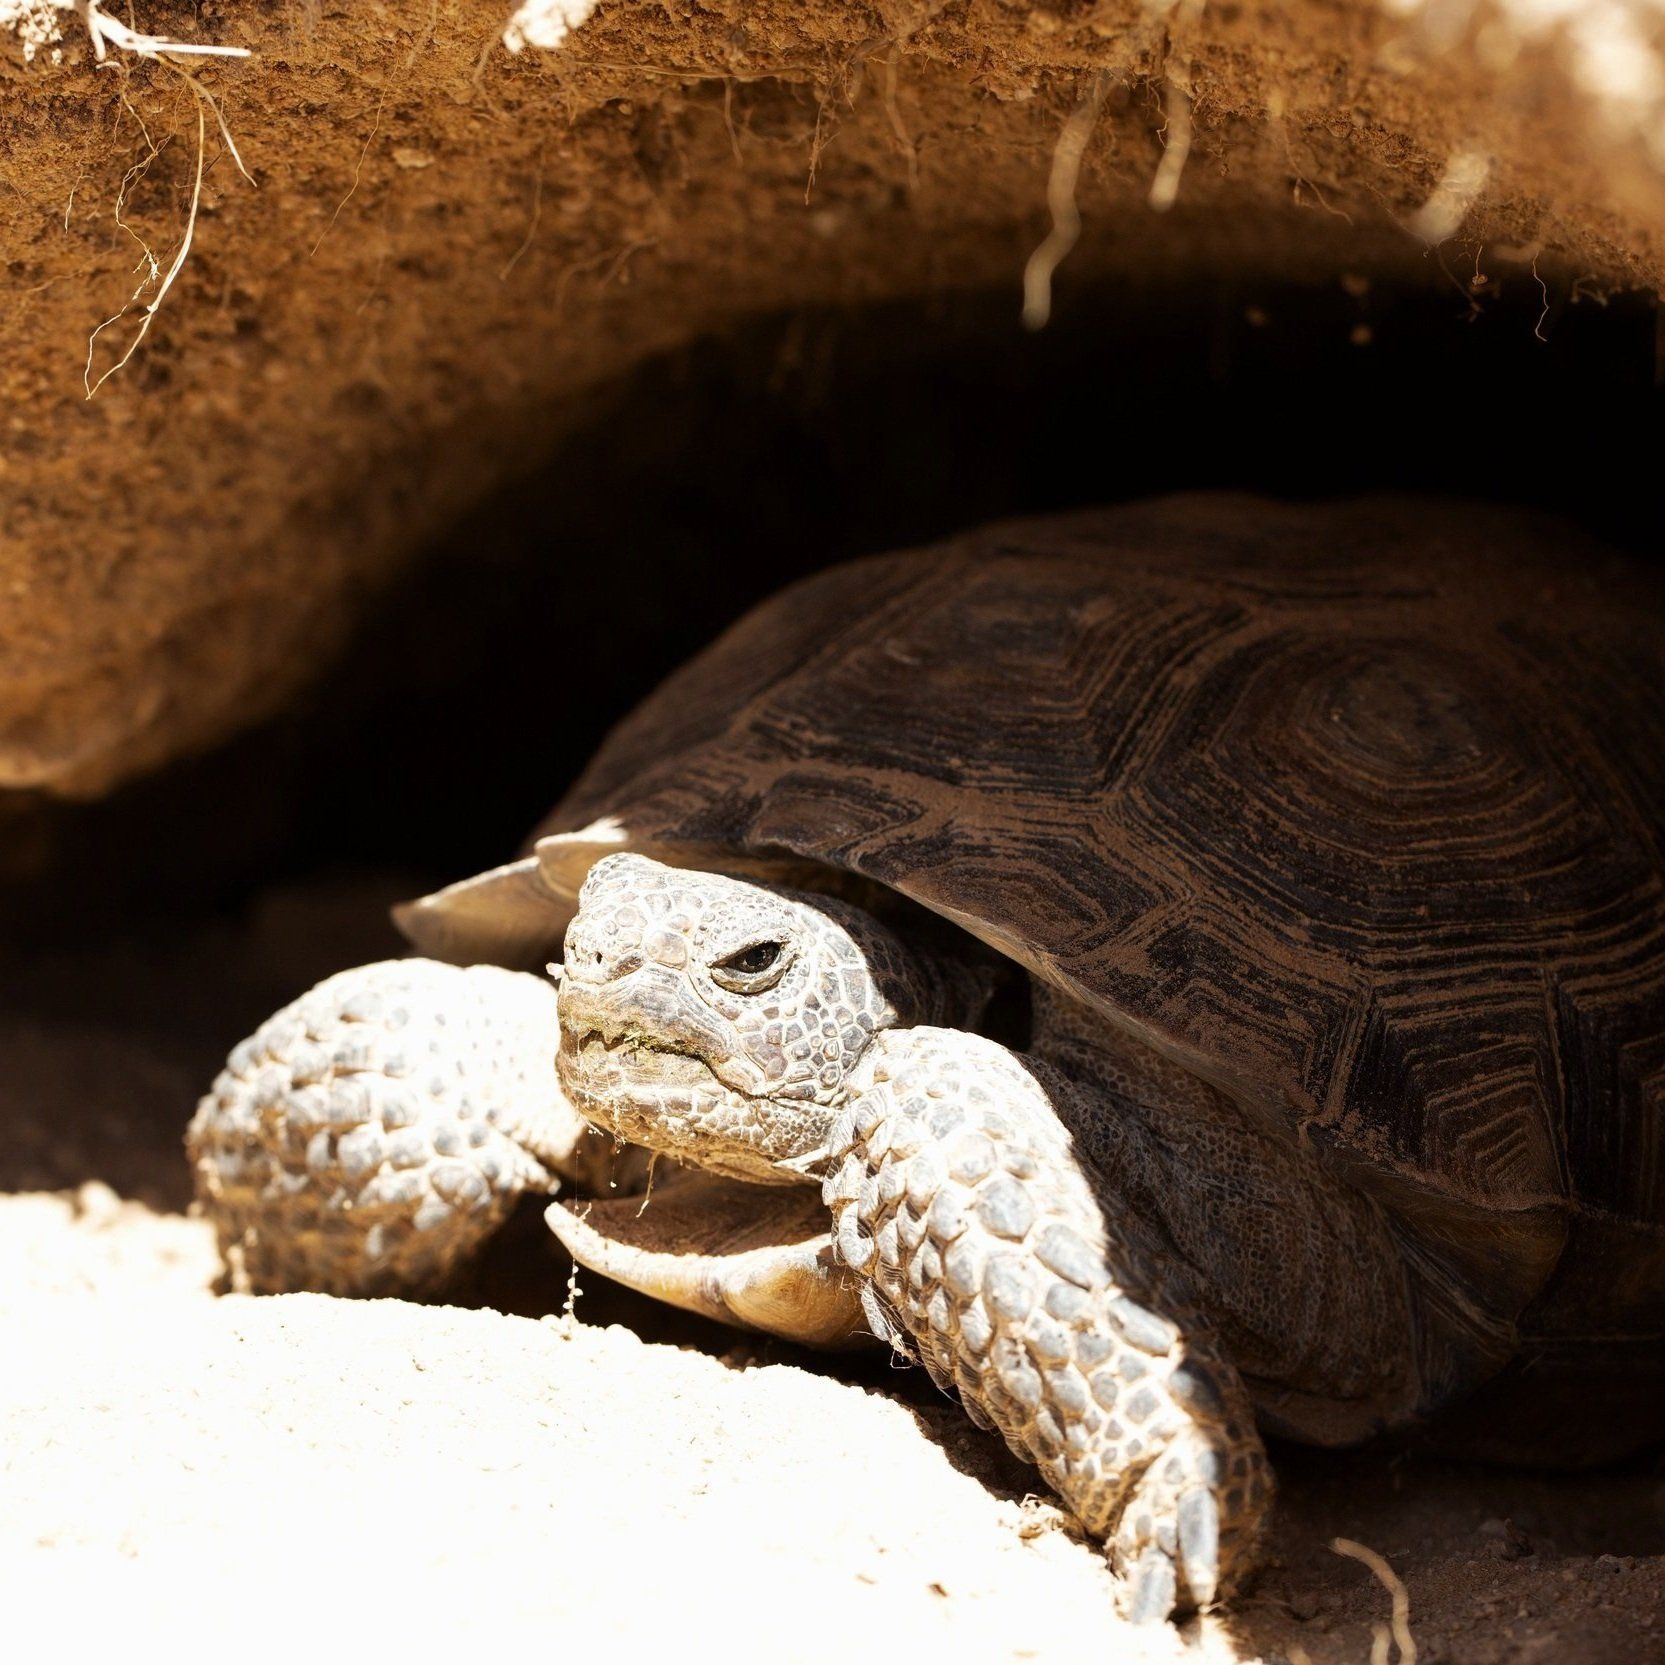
(1358,811)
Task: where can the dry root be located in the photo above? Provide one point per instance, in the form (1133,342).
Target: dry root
(108,32)
(1060,199)
(1387,1638)
(145,302)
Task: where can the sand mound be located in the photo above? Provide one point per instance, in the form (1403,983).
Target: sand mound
(266,1473)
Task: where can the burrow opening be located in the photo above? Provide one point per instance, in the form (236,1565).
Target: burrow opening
(156,927)
(165,921)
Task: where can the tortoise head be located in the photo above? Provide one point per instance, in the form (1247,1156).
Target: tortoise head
(717,1020)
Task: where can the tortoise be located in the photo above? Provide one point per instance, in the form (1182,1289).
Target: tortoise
(1182,972)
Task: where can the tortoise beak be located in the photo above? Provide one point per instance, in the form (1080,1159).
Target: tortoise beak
(759,1256)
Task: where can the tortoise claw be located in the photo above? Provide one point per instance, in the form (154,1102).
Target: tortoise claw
(1199,1544)
(1152,1588)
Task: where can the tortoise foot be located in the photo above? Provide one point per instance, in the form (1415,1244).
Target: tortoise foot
(367,1138)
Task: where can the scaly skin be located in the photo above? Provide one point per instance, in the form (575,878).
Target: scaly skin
(370,1136)
(955,1194)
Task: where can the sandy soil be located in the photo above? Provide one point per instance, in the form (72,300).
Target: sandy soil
(220,1472)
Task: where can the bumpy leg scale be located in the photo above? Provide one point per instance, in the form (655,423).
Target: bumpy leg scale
(956,1194)
(370,1135)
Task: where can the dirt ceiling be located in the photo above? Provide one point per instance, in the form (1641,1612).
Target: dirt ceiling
(437,250)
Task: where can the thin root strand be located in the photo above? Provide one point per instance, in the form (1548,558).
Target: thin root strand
(1060,200)
(109,32)
(1400,1634)
(147,310)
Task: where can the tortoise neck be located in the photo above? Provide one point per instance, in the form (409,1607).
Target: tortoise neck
(924,980)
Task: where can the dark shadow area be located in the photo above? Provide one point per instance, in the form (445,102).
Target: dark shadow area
(478,687)
(1500,1565)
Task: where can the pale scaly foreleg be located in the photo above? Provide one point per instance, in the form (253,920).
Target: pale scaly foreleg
(369,1137)
(957,1197)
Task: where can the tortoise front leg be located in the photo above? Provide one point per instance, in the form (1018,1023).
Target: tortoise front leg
(957,1197)
(366,1139)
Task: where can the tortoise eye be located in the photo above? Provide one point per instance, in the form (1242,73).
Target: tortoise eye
(753,969)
